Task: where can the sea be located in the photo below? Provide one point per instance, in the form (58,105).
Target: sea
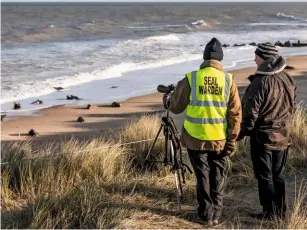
(87,48)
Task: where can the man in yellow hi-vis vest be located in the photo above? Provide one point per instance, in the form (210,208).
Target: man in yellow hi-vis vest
(211,126)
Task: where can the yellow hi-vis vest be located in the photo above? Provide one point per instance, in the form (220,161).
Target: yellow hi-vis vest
(206,113)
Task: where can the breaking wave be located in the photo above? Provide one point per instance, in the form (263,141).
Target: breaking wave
(169,37)
(35,88)
(199,23)
(52,31)
(290,17)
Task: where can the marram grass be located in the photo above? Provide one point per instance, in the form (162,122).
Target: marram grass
(102,184)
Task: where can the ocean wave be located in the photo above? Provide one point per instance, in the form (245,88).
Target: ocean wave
(36,88)
(275,24)
(156,27)
(120,56)
(235,63)
(169,37)
(44,34)
(291,17)
(53,31)
(199,23)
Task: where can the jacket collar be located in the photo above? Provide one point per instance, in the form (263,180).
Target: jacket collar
(211,63)
(271,66)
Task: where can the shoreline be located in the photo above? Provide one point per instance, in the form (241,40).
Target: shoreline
(59,122)
(136,82)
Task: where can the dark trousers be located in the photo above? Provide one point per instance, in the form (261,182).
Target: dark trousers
(269,169)
(210,172)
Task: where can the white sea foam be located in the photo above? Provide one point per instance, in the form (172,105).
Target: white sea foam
(139,81)
(34,88)
(282,15)
(199,23)
(135,65)
(169,37)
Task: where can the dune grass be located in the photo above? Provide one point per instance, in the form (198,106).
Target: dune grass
(102,183)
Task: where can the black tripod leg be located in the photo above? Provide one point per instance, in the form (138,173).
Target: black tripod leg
(153,144)
(167,138)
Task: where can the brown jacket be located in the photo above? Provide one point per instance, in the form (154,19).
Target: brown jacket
(268,104)
(179,100)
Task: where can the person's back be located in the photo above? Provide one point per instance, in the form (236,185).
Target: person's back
(268,108)
(211,126)
(275,100)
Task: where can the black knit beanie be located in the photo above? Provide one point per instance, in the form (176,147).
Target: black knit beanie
(213,50)
(266,50)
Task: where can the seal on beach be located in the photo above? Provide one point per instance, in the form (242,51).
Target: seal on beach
(115,104)
(58,88)
(80,119)
(75,97)
(72,97)
(289,67)
(3,116)
(33,133)
(114,86)
(37,102)
(90,106)
(17,105)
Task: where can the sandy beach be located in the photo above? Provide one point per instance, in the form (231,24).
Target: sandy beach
(58,123)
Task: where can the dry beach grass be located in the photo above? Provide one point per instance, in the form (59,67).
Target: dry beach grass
(99,184)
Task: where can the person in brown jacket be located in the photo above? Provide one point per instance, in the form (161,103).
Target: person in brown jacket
(268,108)
(214,138)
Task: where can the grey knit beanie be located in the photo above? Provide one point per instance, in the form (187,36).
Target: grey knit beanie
(266,50)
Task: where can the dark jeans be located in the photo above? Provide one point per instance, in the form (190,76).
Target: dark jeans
(269,169)
(210,174)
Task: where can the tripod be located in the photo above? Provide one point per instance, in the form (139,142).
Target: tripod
(172,154)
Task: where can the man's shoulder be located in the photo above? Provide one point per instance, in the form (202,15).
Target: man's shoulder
(279,77)
(257,79)
(275,80)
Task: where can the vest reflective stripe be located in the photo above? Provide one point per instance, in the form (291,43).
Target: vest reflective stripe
(196,102)
(206,120)
(227,87)
(208,103)
(206,113)
(193,86)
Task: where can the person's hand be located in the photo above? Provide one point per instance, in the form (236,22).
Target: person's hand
(166,100)
(226,153)
(241,135)
(228,150)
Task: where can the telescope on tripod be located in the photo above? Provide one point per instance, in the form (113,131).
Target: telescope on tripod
(172,148)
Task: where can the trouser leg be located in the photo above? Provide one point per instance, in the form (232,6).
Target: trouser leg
(279,161)
(217,182)
(262,164)
(199,160)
